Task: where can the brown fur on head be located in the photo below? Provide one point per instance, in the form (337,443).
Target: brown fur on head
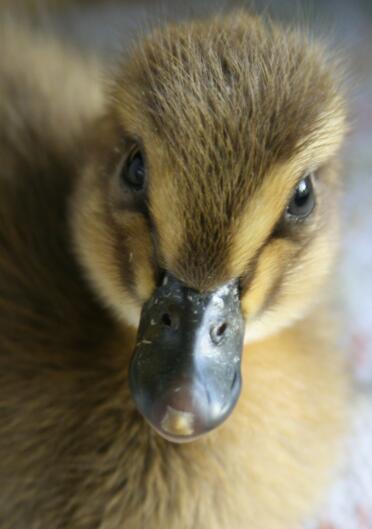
(230,114)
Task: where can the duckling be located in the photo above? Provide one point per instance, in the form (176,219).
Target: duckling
(168,360)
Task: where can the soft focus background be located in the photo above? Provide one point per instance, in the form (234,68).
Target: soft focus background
(103,27)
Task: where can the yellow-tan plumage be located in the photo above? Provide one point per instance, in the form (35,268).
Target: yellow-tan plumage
(231,113)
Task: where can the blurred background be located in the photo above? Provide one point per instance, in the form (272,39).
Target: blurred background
(103,28)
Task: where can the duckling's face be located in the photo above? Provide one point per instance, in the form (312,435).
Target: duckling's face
(213,185)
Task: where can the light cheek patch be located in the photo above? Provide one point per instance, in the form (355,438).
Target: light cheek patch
(269,271)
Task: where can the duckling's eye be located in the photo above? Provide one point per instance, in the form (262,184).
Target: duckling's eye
(303,200)
(133,171)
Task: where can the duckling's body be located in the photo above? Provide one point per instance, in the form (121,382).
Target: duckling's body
(74,451)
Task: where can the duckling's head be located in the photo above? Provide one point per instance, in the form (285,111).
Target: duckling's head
(208,209)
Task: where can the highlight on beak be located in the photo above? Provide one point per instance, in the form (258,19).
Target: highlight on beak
(185,370)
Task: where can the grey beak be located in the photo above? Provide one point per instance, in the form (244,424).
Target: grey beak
(185,370)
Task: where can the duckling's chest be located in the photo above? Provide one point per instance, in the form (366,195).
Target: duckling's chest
(158,485)
(81,457)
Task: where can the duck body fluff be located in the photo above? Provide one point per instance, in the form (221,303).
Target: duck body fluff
(202,180)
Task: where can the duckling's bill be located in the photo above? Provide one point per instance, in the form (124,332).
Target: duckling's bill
(185,370)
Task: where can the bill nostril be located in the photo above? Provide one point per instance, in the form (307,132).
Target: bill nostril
(221,329)
(166,320)
(217,332)
(170,319)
